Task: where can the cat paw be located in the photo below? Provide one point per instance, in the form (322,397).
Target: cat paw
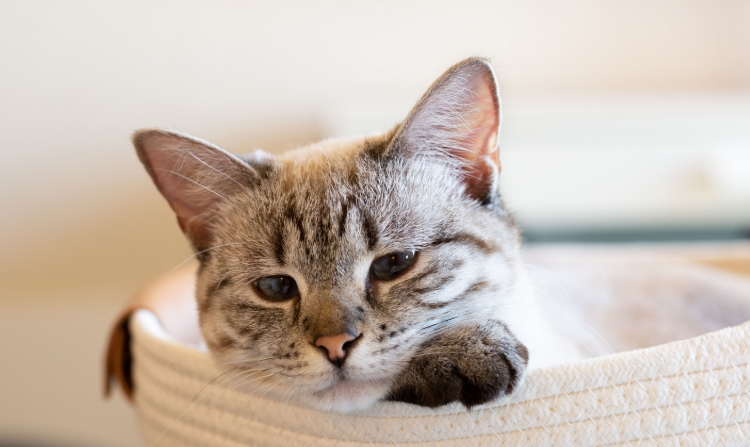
(471,364)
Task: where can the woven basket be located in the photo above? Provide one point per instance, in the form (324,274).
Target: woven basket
(693,392)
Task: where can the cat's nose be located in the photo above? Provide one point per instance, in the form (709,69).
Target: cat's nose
(336,346)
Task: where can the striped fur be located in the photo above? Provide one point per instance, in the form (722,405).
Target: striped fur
(459,325)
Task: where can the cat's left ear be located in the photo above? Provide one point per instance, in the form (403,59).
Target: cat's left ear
(458,122)
(194,176)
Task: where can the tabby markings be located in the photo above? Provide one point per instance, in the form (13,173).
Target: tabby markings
(485,247)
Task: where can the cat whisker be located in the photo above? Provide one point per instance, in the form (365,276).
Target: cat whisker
(247,361)
(193,401)
(248,377)
(196,254)
(218,284)
(242,375)
(288,398)
(587,329)
(557,278)
(218,171)
(242,379)
(197,184)
(231,428)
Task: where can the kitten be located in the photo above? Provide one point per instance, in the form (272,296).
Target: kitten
(363,269)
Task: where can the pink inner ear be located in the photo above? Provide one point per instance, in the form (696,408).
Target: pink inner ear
(172,185)
(483,122)
(458,121)
(480,143)
(193,176)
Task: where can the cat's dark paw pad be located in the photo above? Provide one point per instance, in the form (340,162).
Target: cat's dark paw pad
(470,364)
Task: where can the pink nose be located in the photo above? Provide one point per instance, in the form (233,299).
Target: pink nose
(335,345)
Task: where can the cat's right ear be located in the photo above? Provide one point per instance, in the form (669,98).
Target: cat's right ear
(457,123)
(193,175)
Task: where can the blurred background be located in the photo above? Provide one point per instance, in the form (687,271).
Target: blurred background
(622,121)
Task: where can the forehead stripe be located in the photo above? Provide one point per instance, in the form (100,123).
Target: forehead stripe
(370,230)
(486,247)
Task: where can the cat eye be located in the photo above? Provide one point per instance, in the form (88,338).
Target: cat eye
(391,266)
(277,288)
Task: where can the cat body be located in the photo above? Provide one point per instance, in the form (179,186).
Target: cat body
(362,269)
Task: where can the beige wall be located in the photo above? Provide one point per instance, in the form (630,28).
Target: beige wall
(77,77)
(80,224)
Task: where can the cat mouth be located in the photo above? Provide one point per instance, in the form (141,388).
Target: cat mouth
(345,394)
(344,382)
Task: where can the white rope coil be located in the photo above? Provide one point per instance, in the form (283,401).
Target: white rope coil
(691,392)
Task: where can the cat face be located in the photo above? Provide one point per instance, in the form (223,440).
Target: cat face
(361,269)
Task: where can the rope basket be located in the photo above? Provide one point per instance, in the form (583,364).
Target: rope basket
(691,392)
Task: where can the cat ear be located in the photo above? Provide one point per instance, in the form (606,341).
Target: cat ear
(193,176)
(458,122)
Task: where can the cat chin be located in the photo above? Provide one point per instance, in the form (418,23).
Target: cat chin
(346,396)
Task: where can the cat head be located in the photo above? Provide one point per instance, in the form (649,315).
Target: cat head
(330,267)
